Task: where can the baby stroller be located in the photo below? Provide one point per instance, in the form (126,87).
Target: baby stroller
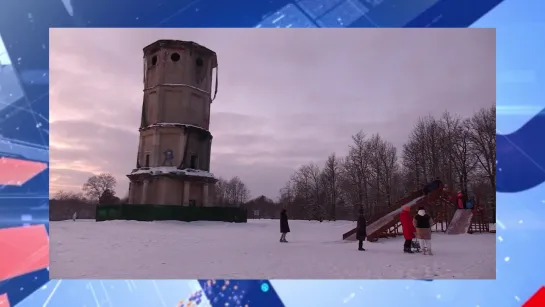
(415,246)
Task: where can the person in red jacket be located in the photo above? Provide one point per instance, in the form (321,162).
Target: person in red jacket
(460,200)
(408,228)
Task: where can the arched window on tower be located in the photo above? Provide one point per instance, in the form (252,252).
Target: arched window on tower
(147,160)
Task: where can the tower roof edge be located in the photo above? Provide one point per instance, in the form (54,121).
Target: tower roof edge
(174,44)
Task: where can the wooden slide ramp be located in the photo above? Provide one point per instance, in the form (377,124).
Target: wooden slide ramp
(378,225)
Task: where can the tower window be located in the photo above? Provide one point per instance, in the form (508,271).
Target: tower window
(154,60)
(193,162)
(199,62)
(175,57)
(147,161)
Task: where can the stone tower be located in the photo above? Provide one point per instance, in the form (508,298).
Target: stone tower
(173,160)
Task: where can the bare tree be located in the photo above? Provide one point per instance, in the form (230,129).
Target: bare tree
(108,197)
(286,195)
(307,186)
(387,156)
(220,192)
(451,128)
(372,177)
(413,170)
(237,192)
(331,179)
(232,192)
(424,148)
(291,198)
(465,161)
(97,184)
(482,131)
(455,155)
(433,150)
(68,195)
(356,172)
(383,165)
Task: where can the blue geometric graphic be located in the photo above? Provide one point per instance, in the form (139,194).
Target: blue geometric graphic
(520,158)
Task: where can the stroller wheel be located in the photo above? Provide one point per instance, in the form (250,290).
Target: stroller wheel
(415,246)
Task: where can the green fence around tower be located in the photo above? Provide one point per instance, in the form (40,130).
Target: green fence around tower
(169,212)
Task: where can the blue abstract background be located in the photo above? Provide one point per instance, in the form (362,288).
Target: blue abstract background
(520,152)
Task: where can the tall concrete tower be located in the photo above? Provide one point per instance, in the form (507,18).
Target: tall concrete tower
(173,160)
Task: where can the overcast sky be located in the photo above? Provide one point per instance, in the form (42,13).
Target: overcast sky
(286,97)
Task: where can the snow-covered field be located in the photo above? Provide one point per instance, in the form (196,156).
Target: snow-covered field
(170,249)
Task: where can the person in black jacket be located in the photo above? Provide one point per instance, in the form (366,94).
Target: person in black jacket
(465,198)
(428,188)
(422,221)
(361,230)
(432,186)
(284,226)
(437,183)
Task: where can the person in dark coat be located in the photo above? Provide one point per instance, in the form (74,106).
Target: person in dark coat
(437,183)
(432,186)
(426,190)
(471,202)
(465,197)
(361,230)
(284,226)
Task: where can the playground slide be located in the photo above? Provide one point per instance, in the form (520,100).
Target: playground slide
(385,220)
(460,222)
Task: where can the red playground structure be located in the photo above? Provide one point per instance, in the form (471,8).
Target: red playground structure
(440,204)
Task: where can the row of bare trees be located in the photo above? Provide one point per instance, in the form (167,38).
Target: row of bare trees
(96,187)
(374,175)
(231,193)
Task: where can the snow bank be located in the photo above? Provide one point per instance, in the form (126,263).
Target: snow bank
(162,170)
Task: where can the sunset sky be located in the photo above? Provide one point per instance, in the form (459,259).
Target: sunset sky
(286,96)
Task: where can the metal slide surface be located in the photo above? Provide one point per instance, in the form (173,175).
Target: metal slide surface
(375,226)
(460,222)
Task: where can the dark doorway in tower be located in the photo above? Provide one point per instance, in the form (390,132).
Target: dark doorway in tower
(193,162)
(147,161)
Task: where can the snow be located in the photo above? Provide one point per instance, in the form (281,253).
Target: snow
(161,170)
(172,249)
